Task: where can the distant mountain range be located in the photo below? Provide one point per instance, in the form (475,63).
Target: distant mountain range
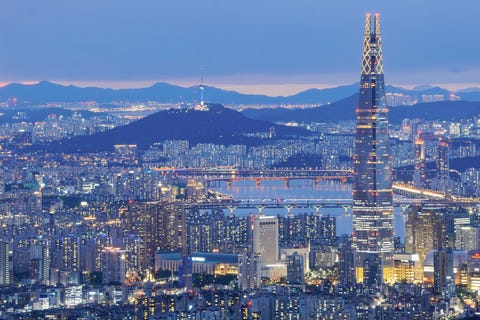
(45,92)
(217,125)
(344,110)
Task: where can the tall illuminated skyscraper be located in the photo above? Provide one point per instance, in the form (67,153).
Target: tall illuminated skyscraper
(372,186)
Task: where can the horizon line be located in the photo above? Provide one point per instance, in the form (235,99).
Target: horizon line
(267,89)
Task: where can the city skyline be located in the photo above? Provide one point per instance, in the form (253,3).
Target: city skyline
(81,43)
(113,208)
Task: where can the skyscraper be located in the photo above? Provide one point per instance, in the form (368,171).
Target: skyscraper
(372,186)
(443,167)
(265,238)
(346,264)
(6,275)
(420,166)
(262,249)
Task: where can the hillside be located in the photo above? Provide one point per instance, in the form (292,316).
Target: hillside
(218,125)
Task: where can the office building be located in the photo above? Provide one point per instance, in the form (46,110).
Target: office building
(372,182)
(265,238)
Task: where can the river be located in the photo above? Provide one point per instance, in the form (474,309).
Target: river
(302,189)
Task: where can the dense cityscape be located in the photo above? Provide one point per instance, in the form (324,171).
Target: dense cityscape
(362,218)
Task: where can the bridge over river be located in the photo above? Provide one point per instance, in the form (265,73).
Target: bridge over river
(318,204)
(405,195)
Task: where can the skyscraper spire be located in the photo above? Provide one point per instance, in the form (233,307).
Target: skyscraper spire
(367,25)
(372,185)
(366,45)
(377,24)
(372,57)
(202,88)
(378,39)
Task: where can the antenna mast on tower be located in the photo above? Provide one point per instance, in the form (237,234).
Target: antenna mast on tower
(202,88)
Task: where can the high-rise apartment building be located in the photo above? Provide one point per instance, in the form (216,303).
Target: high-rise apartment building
(295,268)
(247,273)
(443,270)
(425,231)
(346,265)
(40,250)
(70,253)
(372,185)
(328,230)
(443,167)
(114,267)
(6,274)
(467,237)
(420,165)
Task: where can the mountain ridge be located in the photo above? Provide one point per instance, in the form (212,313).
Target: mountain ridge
(49,92)
(344,110)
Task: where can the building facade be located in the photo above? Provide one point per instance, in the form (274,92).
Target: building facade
(372,188)
(265,238)
(420,164)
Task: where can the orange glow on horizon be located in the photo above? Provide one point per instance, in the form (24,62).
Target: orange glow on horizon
(28,83)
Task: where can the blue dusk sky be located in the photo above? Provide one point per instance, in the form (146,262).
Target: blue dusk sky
(268,46)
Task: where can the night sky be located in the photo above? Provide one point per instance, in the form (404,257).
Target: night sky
(267,45)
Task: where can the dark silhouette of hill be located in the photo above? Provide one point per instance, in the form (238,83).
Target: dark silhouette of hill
(444,110)
(460,164)
(345,110)
(321,96)
(470,94)
(300,160)
(336,111)
(218,125)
